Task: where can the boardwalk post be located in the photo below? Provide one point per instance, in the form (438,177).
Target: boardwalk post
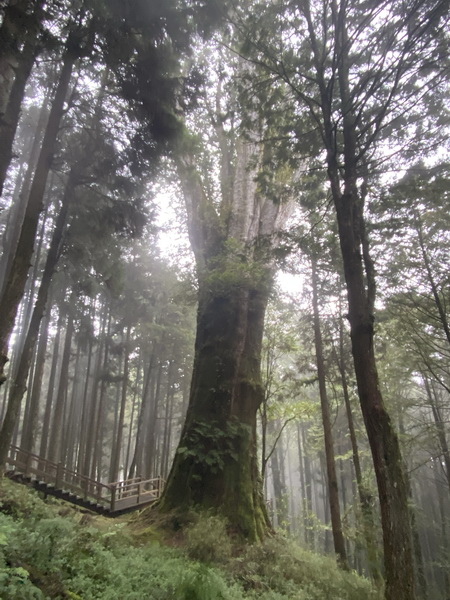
(84,487)
(113,497)
(59,472)
(159,484)
(28,463)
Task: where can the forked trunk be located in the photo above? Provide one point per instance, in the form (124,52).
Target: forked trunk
(216,466)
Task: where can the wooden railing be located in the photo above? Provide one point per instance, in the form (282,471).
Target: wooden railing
(115,497)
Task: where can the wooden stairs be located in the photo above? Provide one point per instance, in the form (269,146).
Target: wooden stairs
(110,499)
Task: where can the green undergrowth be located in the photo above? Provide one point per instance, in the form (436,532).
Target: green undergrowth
(49,551)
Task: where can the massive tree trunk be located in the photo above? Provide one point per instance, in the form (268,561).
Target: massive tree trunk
(216,462)
(216,465)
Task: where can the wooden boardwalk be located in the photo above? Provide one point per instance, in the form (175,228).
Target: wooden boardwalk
(52,478)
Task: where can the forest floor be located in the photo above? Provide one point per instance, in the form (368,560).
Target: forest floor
(50,550)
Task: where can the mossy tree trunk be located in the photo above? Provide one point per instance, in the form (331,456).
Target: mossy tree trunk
(216,465)
(216,462)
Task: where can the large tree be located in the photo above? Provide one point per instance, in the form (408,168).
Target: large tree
(233,227)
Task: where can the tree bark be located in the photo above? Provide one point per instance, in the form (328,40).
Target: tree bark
(20,197)
(31,424)
(10,119)
(17,276)
(281,511)
(56,431)
(117,443)
(216,462)
(43,446)
(333,489)
(88,450)
(215,466)
(17,23)
(385,447)
(19,385)
(365,498)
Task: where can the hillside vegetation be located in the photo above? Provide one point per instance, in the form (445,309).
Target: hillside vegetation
(49,550)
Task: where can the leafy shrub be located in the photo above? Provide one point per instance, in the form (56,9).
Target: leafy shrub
(279,566)
(21,502)
(202,583)
(14,580)
(207,539)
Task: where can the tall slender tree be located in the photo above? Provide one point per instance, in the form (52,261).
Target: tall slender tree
(17,276)
(353,68)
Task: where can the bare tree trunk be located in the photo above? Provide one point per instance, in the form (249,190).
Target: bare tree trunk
(43,448)
(306,465)
(19,385)
(117,442)
(10,119)
(97,456)
(333,490)
(16,278)
(143,417)
(20,197)
(365,498)
(31,425)
(150,449)
(279,484)
(134,408)
(168,417)
(56,431)
(86,401)
(92,408)
(72,418)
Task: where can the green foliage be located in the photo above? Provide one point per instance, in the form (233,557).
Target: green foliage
(210,445)
(235,267)
(44,555)
(202,583)
(285,570)
(14,580)
(207,539)
(15,500)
